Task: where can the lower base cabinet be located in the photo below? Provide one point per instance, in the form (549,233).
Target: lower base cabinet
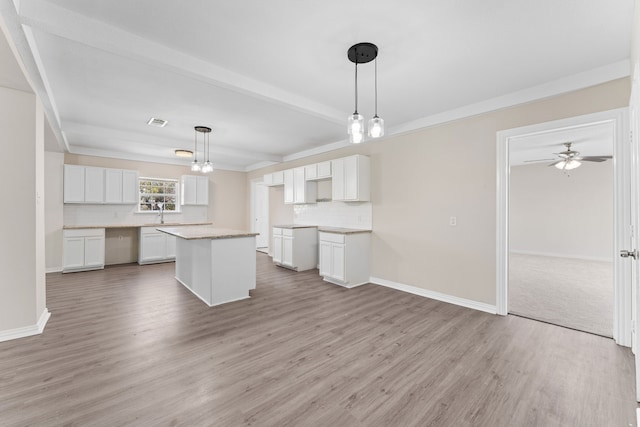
(295,248)
(83,249)
(155,246)
(344,258)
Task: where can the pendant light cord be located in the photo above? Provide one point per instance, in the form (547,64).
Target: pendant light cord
(195,143)
(375,64)
(356,112)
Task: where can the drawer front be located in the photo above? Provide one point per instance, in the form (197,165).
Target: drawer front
(84,232)
(277,231)
(287,232)
(331,237)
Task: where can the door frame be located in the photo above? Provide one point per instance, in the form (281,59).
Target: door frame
(622,317)
(254,185)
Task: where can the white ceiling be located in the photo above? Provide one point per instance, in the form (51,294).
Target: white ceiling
(272,78)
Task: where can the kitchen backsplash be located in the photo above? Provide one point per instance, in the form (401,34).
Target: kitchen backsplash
(82,214)
(335,214)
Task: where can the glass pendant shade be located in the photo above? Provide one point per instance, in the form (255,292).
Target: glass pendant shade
(355,128)
(568,165)
(195,166)
(376,127)
(207,167)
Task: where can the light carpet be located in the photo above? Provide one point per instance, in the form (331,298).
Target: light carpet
(568,292)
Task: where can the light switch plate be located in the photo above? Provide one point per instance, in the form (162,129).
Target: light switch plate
(453,221)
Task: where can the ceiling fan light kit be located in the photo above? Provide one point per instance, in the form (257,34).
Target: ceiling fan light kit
(571,159)
(362,53)
(206,166)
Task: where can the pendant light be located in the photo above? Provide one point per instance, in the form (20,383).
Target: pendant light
(195,166)
(206,166)
(376,124)
(361,53)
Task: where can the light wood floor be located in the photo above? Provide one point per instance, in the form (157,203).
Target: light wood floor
(130,346)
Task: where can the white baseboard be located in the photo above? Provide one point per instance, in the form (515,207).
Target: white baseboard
(53,269)
(556,255)
(480,306)
(26,331)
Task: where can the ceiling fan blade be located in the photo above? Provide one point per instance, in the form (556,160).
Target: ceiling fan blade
(557,163)
(537,160)
(596,158)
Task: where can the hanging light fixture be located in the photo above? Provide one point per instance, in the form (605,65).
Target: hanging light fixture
(195,166)
(206,166)
(361,53)
(568,164)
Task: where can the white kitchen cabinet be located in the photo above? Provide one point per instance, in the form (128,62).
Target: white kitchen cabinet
(344,258)
(73,184)
(130,187)
(155,246)
(83,249)
(324,170)
(93,185)
(87,184)
(295,247)
(303,191)
(195,190)
(350,179)
(121,186)
(276,251)
(297,190)
(317,171)
(83,184)
(113,186)
(288,186)
(274,179)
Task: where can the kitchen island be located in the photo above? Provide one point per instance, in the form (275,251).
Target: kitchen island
(217,264)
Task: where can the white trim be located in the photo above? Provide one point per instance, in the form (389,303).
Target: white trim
(618,117)
(57,269)
(26,331)
(463,302)
(557,255)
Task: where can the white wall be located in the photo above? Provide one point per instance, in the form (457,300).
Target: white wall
(22,287)
(53,166)
(552,214)
(420,179)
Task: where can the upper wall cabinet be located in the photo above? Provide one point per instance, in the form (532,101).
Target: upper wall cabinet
(274,179)
(120,186)
(297,190)
(318,171)
(195,190)
(83,184)
(87,184)
(350,179)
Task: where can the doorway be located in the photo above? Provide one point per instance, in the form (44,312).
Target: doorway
(260,214)
(561,227)
(613,123)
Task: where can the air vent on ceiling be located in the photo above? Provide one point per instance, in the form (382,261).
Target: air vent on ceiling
(157,122)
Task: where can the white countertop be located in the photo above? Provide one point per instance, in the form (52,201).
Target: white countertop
(204,232)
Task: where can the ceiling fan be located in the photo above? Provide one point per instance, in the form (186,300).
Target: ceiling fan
(570,159)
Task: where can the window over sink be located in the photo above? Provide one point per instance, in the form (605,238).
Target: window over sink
(157,194)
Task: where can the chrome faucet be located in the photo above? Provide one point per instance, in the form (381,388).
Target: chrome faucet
(161,213)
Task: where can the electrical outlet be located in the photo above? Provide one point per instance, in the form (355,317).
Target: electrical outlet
(453,221)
